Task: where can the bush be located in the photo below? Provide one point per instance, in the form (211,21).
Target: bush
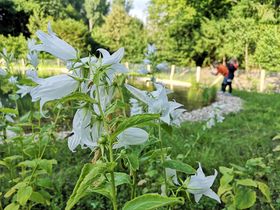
(14,44)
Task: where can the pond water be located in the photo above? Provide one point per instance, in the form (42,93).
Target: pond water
(189,97)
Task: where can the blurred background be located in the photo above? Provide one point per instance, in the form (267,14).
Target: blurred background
(185,32)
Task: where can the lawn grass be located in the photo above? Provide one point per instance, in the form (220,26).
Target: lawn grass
(244,135)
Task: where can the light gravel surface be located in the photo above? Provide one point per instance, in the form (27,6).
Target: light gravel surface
(225,103)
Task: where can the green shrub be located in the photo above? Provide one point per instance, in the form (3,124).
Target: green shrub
(14,44)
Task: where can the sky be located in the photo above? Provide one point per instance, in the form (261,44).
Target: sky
(140,9)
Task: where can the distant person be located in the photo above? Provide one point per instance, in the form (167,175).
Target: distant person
(227,71)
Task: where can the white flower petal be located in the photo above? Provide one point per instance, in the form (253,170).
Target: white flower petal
(24,89)
(55,46)
(140,94)
(197,197)
(131,136)
(52,88)
(211,194)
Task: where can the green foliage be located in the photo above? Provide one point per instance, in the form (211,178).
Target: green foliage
(151,201)
(14,44)
(238,185)
(91,173)
(95,11)
(121,30)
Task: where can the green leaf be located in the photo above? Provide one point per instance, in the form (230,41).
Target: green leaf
(276,149)
(38,198)
(12,206)
(135,120)
(265,191)
(245,198)
(276,137)
(13,189)
(247,182)
(24,194)
(133,161)
(151,201)
(8,111)
(44,164)
(167,128)
(79,97)
(226,179)
(90,173)
(255,162)
(117,104)
(12,158)
(225,170)
(105,189)
(179,166)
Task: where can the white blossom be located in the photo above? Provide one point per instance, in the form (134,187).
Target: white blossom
(24,90)
(171,173)
(131,136)
(13,80)
(157,101)
(135,107)
(81,130)
(52,88)
(200,184)
(55,46)
(151,49)
(33,58)
(112,62)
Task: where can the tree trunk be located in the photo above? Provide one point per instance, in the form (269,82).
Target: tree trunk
(90,24)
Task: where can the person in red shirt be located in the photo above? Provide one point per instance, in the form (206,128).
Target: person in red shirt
(228,73)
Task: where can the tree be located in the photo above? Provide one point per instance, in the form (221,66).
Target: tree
(267,54)
(95,11)
(126,4)
(9,21)
(122,30)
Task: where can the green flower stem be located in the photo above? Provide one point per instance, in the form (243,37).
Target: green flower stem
(122,97)
(162,158)
(133,190)
(113,185)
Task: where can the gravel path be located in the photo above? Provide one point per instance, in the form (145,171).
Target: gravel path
(225,104)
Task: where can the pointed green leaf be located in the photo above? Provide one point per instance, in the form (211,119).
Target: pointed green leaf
(79,97)
(38,198)
(265,191)
(24,194)
(247,182)
(90,173)
(12,206)
(8,111)
(151,201)
(133,161)
(179,166)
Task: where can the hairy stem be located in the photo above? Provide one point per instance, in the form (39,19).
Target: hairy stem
(113,185)
(162,158)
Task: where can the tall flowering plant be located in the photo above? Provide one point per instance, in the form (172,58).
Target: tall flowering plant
(103,124)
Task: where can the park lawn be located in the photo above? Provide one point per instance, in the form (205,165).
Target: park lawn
(242,136)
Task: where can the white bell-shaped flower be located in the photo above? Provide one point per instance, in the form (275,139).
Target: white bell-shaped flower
(131,136)
(81,130)
(52,88)
(157,101)
(200,184)
(55,46)
(24,90)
